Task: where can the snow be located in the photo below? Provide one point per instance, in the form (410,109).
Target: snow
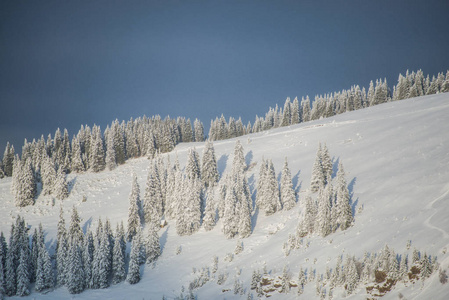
(396,158)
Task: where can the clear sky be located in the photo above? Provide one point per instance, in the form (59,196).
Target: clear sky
(67,63)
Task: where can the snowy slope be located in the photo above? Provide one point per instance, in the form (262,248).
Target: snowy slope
(396,158)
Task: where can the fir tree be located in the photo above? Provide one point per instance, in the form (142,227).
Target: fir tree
(60,187)
(288,197)
(323,220)
(48,174)
(111,160)
(44,271)
(88,258)
(133,276)
(229,215)
(326,164)
(209,170)
(97,157)
(318,178)
(8,159)
(75,273)
(23,277)
(343,207)
(271,191)
(153,202)
(75,233)
(210,211)
(77,158)
(133,211)
(118,262)
(152,245)
(244,221)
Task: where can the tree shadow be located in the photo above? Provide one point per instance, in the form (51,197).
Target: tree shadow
(71,184)
(335,163)
(296,183)
(221,164)
(87,225)
(254,218)
(353,206)
(249,157)
(163,238)
(351,187)
(251,184)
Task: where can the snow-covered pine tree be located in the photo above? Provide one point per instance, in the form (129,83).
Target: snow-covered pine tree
(60,187)
(97,156)
(221,196)
(88,258)
(2,278)
(229,215)
(323,219)
(77,157)
(8,159)
(209,170)
(118,261)
(111,158)
(75,233)
(343,207)
(133,276)
(75,273)
(27,190)
(326,164)
(44,270)
(193,165)
(152,245)
(287,115)
(244,221)
(210,210)
(198,130)
(134,218)
(194,205)
(260,202)
(10,271)
(305,108)
(295,112)
(288,197)
(318,178)
(271,191)
(23,276)
(152,202)
(48,175)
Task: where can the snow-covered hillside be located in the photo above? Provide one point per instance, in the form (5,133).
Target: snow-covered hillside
(396,158)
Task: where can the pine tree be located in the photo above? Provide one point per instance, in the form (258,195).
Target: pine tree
(229,216)
(271,191)
(287,115)
(118,262)
(111,159)
(209,170)
(153,202)
(343,207)
(199,130)
(8,159)
(44,271)
(97,157)
(133,211)
(10,272)
(88,258)
(152,245)
(244,221)
(27,190)
(133,276)
(323,219)
(288,197)
(75,233)
(210,211)
(23,277)
(2,278)
(326,164)
(318,178)
(77,157)
(295,112)
(75,273)
(48,174)
(60,188)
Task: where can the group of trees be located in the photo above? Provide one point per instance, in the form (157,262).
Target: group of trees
(376,272)
(91,260)
(332,208)
(324,106)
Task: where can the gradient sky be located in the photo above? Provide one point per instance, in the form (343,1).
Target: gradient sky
(67,63)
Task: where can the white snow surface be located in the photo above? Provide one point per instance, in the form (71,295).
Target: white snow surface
(396,158)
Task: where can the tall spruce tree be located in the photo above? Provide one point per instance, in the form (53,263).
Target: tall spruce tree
(133,276)
(209,170)
(118,261)
(133,211)
(75,273)
(60,187)
(343,207)
(152,244)
(288,197)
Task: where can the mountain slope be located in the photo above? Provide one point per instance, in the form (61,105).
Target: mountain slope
(396,158)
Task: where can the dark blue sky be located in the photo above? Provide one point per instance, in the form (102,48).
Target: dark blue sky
(67,63)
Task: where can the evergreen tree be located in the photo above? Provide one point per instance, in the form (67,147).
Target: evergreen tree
(10,272)
(326,164)
(44,271)
(260,202)
(111,159)
(133,211)
(244,221)
(229,215)
(295,112)
(323,220)
(8,159)
(287,115)
(25,186)
(23,277)
(133,276)
(343,207)
(75,273)
(318,178)
(88,258)
(60,187)
(271,191)
(48,174)
(288,197)
(152,245)
(62,260)
(97,157)
(77,157)
(2,278)
(118,262)
(210,211)
(153,202)
(199,130)
(75,233)
(209,169)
